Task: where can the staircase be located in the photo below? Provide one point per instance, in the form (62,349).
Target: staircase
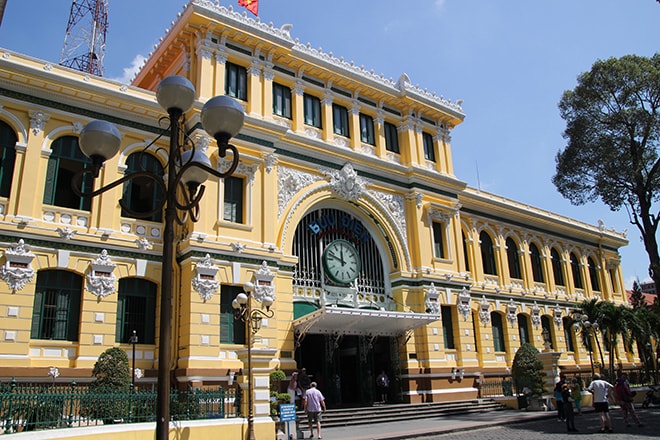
(394,412)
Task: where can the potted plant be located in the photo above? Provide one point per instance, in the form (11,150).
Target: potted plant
(527,376)
(108,394)
(276,397)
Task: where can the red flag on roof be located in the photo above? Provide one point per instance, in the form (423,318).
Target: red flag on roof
(250,5)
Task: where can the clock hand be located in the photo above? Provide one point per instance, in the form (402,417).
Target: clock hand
(341,255)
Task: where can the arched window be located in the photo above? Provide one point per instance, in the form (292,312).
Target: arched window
(447,327)
(537,265)
(56,312)
(136,310)
(513,259)
(142,194)
(593,274)
(7,158)
(575,269)
(465,252)
(556,267)
(569,334)
(64,162)
(523,328)
(487,254)
(498,331)
(546,330)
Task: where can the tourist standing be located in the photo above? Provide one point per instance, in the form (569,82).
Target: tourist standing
(624,397)
(567,398)
(383,384)
(576,393)
(292,387)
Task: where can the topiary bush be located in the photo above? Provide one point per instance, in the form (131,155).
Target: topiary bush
(110,390)
(527,371)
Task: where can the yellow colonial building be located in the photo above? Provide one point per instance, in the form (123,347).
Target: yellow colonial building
(344,208)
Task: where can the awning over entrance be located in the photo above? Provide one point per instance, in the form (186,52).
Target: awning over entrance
(363,322)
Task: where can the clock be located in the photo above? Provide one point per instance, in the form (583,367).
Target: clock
(341,261)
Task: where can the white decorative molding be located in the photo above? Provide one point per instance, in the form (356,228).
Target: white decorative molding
(463,303)
(100,279)
(38,121)
(431,296)
(263,285)
(17,270)
(270,161)
(511,310)
(484,311)
(238,247)
(557,315)
(66,233)
(204,281)
(536,315)
(289,182)
(143,243)
(346,183)
(394,208)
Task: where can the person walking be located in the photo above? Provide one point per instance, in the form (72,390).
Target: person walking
(576,394)
(303,382)
(559,400)
(383,384)
(601,389)
(567,398)
(314,406)
(624,397)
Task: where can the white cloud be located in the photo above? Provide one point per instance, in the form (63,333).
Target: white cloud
(130,72)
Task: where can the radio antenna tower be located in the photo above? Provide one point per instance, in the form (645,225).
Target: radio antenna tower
(84,41)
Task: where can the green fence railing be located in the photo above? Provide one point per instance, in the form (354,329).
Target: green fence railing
(26,407)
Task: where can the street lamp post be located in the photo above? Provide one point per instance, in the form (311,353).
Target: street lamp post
(133,340)
(187,168)
(590,330)
(243,311)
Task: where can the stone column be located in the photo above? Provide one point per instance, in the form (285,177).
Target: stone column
(261,357)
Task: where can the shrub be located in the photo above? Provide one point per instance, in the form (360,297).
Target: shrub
(527,371)
(110,389)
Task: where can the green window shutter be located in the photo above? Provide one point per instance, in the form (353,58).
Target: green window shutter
(51,179)
(120,318)
(37,312)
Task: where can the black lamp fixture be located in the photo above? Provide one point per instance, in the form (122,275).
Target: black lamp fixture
(252,317)
(187,169)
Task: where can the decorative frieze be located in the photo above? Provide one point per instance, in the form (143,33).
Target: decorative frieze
(204,281)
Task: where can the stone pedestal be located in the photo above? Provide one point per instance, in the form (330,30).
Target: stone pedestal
(550,360)
(261,358)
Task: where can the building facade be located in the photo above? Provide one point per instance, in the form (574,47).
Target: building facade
(344,208)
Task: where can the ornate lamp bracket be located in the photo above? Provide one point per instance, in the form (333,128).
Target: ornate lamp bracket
(17,270)
(100,279)
(204,281)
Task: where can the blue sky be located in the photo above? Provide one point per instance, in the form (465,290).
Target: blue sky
(508,60)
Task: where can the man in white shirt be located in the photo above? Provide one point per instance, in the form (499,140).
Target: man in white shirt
(601,389)
(314,405)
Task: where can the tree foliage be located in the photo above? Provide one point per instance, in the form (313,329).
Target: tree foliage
(613,136)
(527,370)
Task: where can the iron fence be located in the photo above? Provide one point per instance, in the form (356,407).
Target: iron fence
(27,407)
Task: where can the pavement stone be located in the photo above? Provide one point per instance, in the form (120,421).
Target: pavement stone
(500,425)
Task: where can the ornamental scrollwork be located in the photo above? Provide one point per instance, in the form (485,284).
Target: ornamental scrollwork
(463,303)
(484,311)
(263,286)
(346,183)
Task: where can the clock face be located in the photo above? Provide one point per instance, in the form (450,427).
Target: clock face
(341,262)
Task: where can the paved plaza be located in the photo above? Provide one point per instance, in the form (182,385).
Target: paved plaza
(500,425)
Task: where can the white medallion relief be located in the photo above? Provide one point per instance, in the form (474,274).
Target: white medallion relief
(204,281)
(17,270)
(100,279)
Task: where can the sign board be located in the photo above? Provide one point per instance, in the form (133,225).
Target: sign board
(287,412)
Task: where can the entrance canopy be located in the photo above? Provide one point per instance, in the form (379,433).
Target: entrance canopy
(362,322)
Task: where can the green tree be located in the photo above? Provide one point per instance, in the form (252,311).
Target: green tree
(527,370)
(613,135)
(637,297)
(111,387)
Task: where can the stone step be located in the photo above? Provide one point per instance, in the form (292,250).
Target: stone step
(380,413)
